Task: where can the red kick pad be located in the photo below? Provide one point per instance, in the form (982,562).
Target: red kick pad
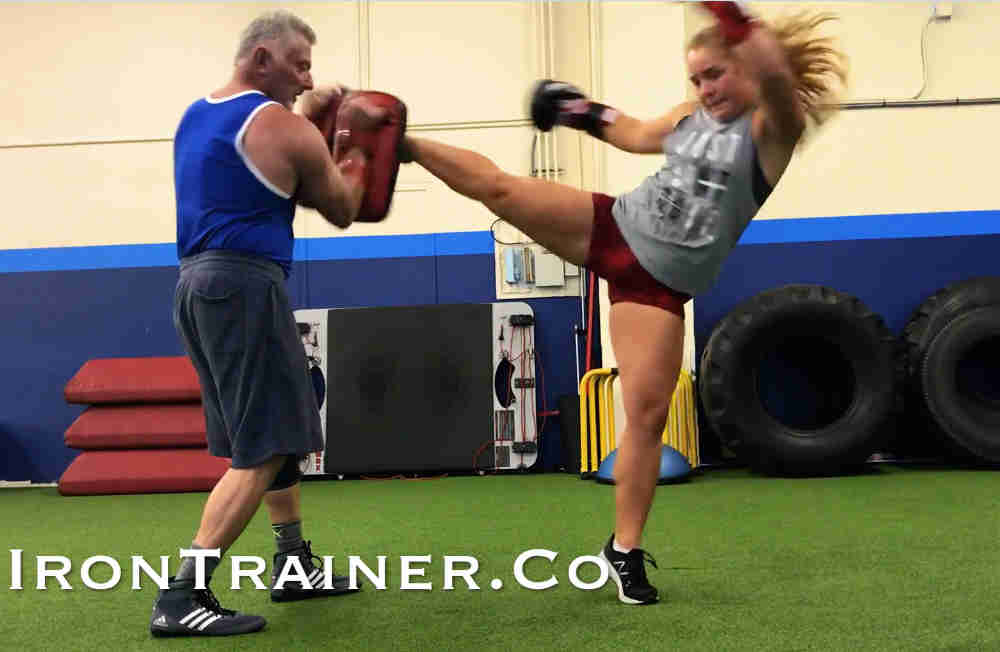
(138,426)
(381,144)
(134,380)
(142,472)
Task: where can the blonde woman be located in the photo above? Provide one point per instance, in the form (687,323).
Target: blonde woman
(758,85)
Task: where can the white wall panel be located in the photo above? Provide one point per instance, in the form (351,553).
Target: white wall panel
(95,71)
(454,61)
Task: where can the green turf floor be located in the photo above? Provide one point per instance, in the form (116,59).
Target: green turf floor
(898,559)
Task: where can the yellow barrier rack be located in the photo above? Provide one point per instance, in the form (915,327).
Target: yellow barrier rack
(597,419)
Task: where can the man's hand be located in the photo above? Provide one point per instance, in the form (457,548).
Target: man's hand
(363,114)
(313,104)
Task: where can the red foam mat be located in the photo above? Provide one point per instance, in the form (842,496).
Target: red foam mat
(138,426)
(142,472)
(134,380)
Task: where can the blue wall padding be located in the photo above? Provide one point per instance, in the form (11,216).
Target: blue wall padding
(64,306)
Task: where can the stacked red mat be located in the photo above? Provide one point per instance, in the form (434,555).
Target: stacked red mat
(142,432)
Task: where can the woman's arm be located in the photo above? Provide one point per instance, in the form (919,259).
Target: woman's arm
(781,115)
(780,118)
(560,103)
(645,136)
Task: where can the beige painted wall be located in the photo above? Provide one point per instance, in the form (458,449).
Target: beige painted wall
(94,71)
(902,160)
(98,89)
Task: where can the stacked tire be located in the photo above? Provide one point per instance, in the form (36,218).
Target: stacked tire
(823,339)
(953,366)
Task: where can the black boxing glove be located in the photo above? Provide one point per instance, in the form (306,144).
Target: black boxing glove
(559,103)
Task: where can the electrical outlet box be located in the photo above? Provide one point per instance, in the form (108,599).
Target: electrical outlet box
(512,265)
(529,269)
(549,271)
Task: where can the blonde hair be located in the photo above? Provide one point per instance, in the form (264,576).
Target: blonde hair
(815,62)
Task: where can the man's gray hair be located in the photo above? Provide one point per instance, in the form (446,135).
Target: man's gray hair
(272,25)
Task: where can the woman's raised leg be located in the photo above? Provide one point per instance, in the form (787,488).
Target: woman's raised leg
(557,216)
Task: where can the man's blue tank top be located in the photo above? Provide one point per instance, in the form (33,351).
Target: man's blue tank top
(223,200)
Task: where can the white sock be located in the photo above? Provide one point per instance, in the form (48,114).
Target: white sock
(618,548)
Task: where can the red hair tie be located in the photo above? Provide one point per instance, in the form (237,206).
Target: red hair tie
(735,23)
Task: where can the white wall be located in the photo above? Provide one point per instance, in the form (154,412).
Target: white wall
(910,159)
(99,89)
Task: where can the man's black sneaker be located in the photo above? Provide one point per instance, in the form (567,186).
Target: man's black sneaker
(294,589)
(629,573)
(182,610)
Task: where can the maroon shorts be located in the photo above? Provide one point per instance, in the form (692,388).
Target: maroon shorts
(611,259)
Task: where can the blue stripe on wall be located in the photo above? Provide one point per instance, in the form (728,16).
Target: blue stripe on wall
(394,246)
(65,318)
(49,259)
(817,229)
(872,227)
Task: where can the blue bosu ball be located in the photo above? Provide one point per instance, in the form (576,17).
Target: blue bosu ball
(674,467)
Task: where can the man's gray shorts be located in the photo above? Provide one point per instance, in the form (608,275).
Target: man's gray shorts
(233,315)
